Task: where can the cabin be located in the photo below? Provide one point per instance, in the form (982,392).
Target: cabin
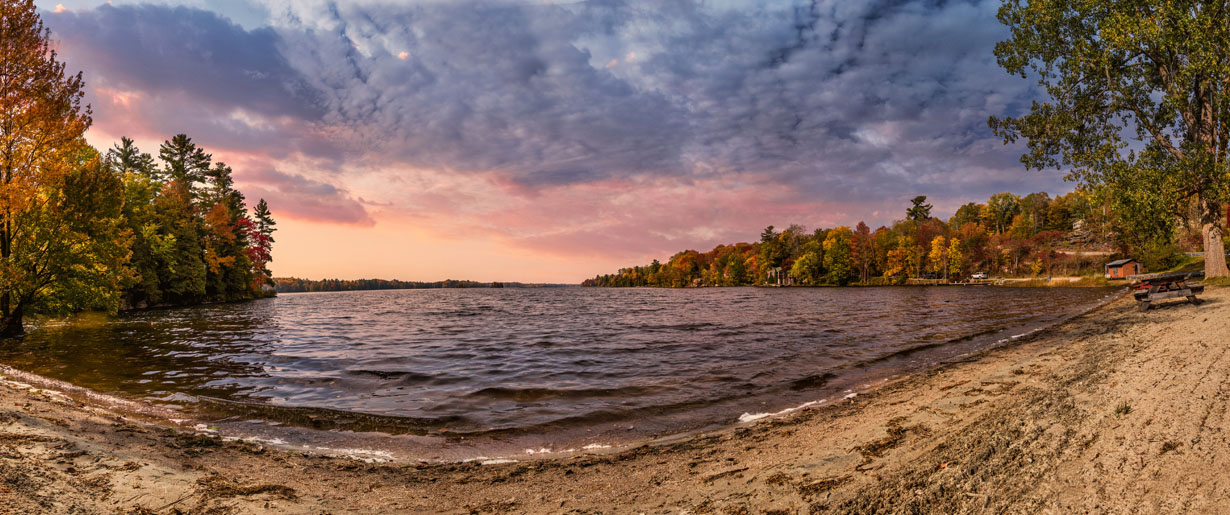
(779,276)
(1121,269)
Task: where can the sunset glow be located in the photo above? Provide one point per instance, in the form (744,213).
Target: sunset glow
(548,142)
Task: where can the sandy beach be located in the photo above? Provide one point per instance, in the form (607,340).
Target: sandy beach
(1115,411)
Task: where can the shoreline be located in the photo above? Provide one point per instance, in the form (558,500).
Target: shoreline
(1005,282)
(1023,399)
(388,439)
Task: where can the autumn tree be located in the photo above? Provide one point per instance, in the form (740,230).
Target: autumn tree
(937,259)
(227,229)
(1021,228)
(1035,207)
(971,212)
(182,279)
(974,243)
(61,245)
(999,211)
(956,259)
(1134,87)
(903,258)
(809,266)
(839,256)
(884,241)
(864,251)
(261,240)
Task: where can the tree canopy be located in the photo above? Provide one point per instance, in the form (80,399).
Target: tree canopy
(1135,88)
(1017,241)
(54,252)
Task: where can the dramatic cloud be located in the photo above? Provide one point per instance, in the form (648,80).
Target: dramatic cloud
(606,126)
(177,49)
(305,198)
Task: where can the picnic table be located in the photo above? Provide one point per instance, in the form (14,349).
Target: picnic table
(1154,287)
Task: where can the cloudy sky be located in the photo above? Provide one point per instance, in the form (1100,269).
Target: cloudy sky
(538,140)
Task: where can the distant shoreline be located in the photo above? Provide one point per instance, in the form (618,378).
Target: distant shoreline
(299,285)
(1008,282)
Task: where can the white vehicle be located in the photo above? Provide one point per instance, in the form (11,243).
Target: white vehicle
(978,276)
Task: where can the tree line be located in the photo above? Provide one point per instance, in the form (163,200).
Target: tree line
(296,285)
(1006,235)
(193,238)
(81,229)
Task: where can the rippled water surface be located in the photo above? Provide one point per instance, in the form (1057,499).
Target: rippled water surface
(508,360)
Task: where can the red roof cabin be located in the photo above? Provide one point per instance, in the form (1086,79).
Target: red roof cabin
(1121,269)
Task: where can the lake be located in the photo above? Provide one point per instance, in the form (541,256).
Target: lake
(462,372)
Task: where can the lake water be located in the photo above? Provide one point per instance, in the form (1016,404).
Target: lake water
(464,368)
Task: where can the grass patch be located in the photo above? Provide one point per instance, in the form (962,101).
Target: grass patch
(1216,281)
(1187,264)
(1086,281)
(1123,409)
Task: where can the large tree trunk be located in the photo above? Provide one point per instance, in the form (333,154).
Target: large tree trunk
(1214,249)
(11,326)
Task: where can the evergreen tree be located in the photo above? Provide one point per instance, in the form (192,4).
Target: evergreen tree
(151,246)
(183,279)
(919,209)
(261,241)
(184,161)
(229,268)
(125,157)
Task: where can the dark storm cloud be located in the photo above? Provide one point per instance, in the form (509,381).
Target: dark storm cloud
(839,100)
(197,52)
(487,87)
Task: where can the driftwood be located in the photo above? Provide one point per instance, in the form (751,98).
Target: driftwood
(1154,287)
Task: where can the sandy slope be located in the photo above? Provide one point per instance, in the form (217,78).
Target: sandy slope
(1116,411)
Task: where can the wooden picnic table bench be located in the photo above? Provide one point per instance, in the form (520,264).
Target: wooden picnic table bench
(1154,287)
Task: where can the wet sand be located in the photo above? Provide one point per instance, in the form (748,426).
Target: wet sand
(1115,411)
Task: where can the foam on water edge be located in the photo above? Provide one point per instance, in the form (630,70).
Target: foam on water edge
(752,417)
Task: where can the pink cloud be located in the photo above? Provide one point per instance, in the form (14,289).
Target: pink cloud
(299,197)
(625,219)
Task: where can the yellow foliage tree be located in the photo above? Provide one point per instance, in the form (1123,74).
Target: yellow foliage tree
(937,259)
(61,246)
(903,259)
(956,260)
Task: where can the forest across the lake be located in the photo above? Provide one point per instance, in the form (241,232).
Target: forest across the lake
(298,285)
(1008,236)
